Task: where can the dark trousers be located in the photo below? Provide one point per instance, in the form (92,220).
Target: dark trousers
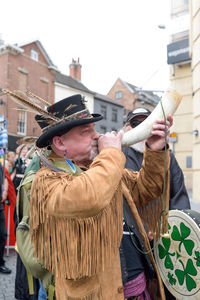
(168,295)
(3,232)
(21,283)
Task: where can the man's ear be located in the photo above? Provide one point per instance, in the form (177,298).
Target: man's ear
(58,143)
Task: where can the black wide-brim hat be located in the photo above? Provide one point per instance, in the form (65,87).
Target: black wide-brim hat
(63,116)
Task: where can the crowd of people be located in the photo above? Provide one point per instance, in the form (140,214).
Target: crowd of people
(16,163)
(12,172)
(85,203)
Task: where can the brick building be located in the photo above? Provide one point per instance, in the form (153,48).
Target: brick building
(131,97)
(28,67)
(25,67)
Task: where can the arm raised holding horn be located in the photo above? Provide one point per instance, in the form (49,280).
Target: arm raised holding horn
(166,107)
(158,136)
(159,130)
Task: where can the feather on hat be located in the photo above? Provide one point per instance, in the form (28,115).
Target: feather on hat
(56,119)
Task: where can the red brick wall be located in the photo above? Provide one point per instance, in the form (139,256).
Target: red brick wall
(3,70)
(3,78)
(128,98)
(27,51)
(9,64)
(75,71)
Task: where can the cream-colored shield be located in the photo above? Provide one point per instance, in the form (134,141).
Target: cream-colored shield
(178,257)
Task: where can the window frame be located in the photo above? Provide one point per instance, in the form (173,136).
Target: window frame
(103,129)
(114,116)
(34,54)
(22,123)
(104,111)
(118,94)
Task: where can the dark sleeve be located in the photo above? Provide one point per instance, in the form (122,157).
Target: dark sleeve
(178,194)
(133,159)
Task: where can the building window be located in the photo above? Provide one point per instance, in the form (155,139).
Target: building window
(114,114)
(34,54)
(103,129)
(21,123)
(118,95)
(188,161)
(104,111)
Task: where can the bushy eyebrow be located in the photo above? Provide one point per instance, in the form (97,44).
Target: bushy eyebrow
(87,126)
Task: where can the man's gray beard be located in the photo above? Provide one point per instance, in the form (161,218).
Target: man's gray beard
(139,147)
(93,154)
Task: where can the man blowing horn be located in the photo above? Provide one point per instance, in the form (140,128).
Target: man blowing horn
(76,212)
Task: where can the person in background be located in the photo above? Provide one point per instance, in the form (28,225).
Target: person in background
(134,155)
(10,164)
(10,207)
(3,232)
(21,279)
(134,262)
(20,164)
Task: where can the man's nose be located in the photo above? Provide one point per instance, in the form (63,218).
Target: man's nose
(96,135)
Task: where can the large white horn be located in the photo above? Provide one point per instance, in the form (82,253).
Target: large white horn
(170,101)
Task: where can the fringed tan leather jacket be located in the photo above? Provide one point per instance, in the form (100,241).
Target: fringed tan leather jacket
(76,221)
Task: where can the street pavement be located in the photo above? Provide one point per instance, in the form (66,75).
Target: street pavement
(7,282)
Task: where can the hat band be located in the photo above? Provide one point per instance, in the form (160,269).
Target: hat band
(78,115)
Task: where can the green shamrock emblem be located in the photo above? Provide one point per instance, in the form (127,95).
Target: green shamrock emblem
(172,280)
(181,275)
(164,252)
(197,258)
(181,236)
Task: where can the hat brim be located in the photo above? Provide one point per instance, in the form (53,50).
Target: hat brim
(60,129)
(136,115)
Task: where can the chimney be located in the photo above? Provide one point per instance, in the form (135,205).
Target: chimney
(75,69)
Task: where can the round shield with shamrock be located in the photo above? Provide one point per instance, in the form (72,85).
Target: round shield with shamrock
(178,255)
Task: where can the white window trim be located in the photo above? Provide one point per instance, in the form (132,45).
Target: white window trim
(25,125)
(118,94)
(34,54)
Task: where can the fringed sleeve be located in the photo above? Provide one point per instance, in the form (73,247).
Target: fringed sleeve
(146,189)
(76,222)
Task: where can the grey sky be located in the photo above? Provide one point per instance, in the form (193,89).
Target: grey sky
(112,38)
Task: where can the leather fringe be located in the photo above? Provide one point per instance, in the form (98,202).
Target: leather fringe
(73,247)
(151,214)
